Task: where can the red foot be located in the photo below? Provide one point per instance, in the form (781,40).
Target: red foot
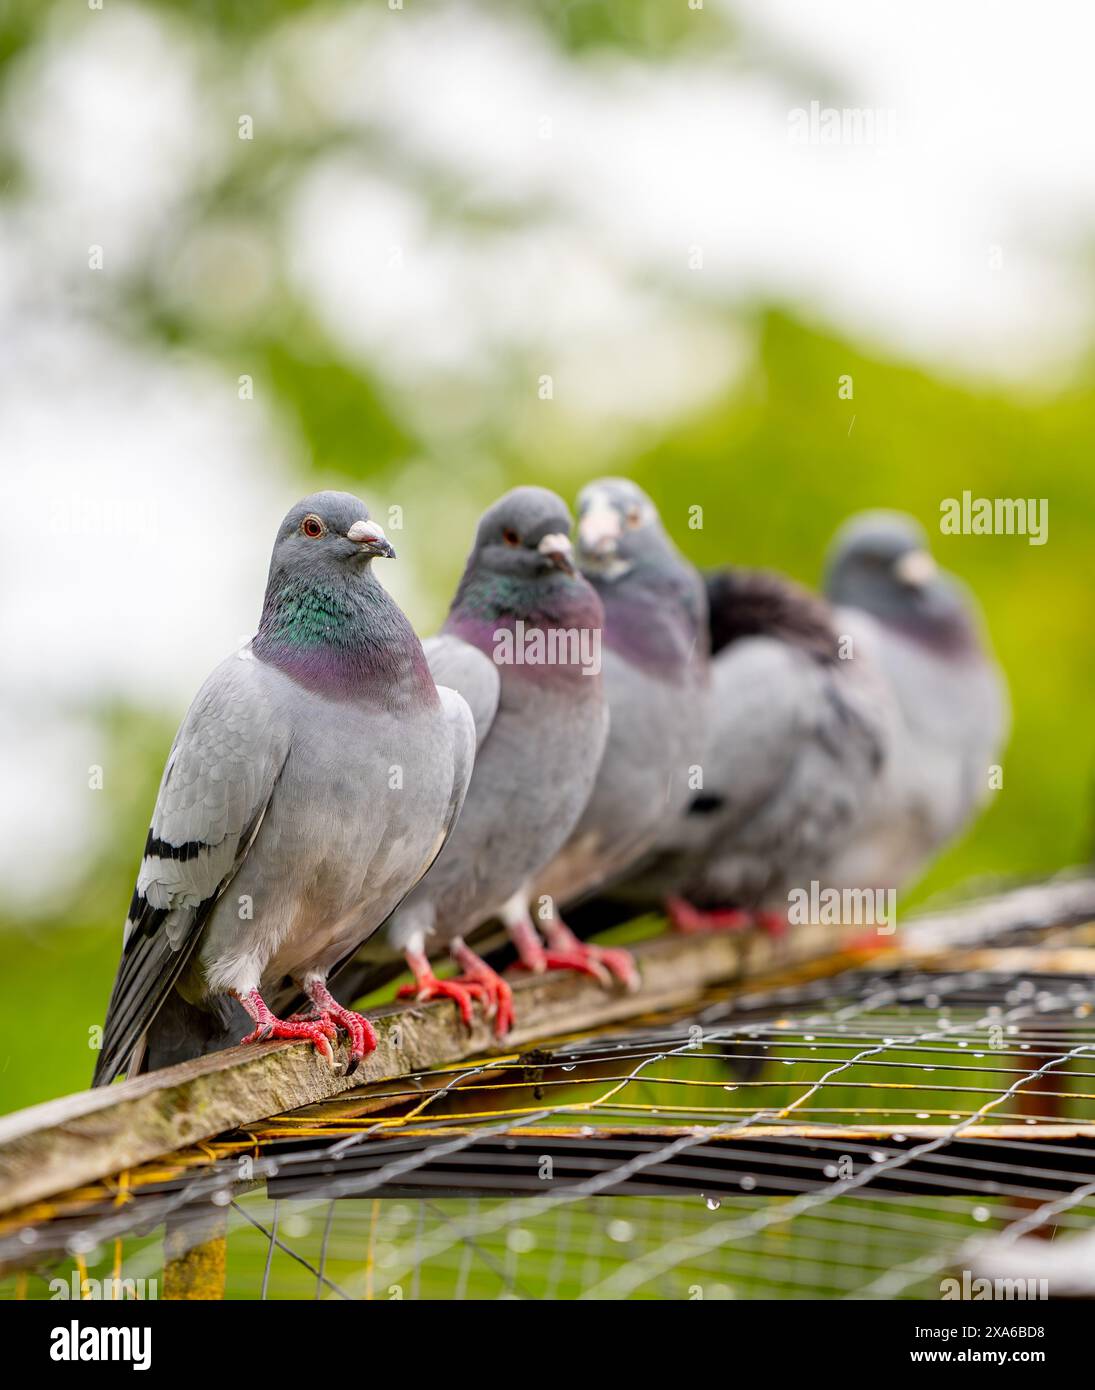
(567,960)
(321,1021)
(620,963)
(683,917)
(478,982)
(566,952)
(461,989)
(584,962)
(427,987)
(498,993)
(360,1031)
(319,1032)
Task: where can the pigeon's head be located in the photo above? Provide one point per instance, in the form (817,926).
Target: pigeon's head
(618,526)
(880,562)
(524,535)
(326,621)
(329,532)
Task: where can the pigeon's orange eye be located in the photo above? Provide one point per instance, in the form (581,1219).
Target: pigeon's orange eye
(511,537)
(312,526)
(634,516)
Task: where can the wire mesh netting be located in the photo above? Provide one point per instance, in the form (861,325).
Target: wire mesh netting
(854,1136)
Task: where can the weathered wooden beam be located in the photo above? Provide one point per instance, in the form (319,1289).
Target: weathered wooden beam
(77,1139)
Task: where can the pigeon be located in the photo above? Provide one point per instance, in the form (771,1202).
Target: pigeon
(657,682)
(797,739)
(312,783)
(522,644)
(923,629)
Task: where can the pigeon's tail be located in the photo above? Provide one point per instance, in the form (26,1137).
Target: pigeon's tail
(182,1031)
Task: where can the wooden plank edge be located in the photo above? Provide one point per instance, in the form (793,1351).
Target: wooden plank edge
(77,1139)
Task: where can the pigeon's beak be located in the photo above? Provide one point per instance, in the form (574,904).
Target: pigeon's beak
(599,532)
(371,538)
(558,549)
(916,568)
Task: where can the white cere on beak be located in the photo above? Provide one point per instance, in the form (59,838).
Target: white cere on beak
(556,543)
(915,568)
(599,526)
(362,531)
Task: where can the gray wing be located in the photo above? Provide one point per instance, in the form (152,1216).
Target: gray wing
(465,739)
(800,746)
(376,962)
(462,731)
(952,723)
(216,787)
(464,668)
(794,748)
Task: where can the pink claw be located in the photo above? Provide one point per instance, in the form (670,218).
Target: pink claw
(320,1020)
(357,1027)
(597,962)
(461,990)
(267,1027)
(601,963)
(498,995)
(619,962)
(478,984)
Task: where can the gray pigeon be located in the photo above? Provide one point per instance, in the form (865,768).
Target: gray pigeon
(657,682)
(797,739)
(922,628)
(521,643)
(312,783)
